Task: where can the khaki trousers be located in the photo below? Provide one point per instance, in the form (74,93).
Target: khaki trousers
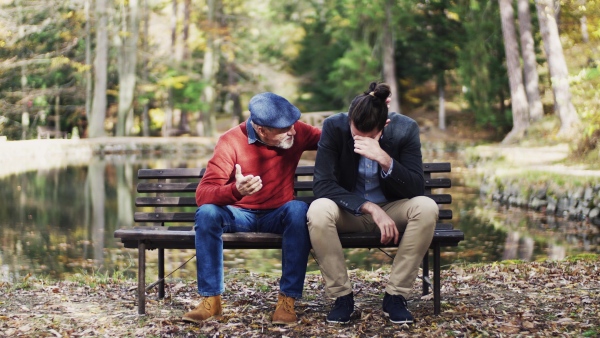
(415,219)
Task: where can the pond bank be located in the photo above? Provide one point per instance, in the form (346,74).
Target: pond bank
(541,299)
(539,179)
(45,154)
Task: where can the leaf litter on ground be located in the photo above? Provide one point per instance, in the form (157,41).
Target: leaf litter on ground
(505,299)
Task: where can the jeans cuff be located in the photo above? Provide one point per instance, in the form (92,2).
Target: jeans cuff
(210,294)
(293,295)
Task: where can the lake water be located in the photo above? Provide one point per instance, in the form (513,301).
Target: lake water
(59,222)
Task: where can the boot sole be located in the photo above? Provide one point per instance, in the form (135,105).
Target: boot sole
(191,320)
(407,321)
(283,323)
(338,321)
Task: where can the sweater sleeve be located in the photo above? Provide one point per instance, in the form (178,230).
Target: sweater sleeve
(313,134)
(218,184)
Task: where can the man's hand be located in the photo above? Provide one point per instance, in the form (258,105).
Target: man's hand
(246,185)
(369,148)
(386,225)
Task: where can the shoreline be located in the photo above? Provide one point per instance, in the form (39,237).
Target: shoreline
(46,154)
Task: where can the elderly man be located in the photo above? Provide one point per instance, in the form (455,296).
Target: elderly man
(249,187)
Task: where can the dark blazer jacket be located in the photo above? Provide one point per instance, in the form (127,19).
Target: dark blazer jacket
(336,165)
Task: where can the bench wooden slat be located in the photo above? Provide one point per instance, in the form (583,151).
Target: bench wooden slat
(171,173)
(437,167)
(189,216)
(431,183)
(438,226)
(167,201)
(443,167)
(167,187)
(157,236)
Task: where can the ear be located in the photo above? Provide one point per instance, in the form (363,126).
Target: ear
(261,131)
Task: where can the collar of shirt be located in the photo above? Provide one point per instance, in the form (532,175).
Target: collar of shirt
(252,137)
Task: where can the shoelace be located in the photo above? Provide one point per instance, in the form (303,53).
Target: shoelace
(287,305)
(206,303)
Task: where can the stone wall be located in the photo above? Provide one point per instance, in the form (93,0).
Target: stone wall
(580,203)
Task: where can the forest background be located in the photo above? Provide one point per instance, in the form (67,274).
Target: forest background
(173,67)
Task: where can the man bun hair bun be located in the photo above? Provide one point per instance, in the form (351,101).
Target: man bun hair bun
(380,91)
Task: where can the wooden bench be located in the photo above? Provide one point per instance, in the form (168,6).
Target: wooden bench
(173,191)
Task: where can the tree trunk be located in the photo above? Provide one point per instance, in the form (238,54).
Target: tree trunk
(98,114)
(127,67)
(57,113)
(187,4)
(168,126)
(518,97)
(210,67)
(96,175)
(389,66)
(88,60)
(558,70)
(125,207)
(536,110)
(145,117)
(441,83)
(236,109)
(184,122)
(584,30)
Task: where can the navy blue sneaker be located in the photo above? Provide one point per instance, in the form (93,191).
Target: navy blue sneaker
(394,306)
(342,309)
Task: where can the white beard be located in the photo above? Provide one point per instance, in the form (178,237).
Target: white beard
(287,144)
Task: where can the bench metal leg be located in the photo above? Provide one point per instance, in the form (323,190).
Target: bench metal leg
(436,280)
(141,278)
(426,273)
(161,273)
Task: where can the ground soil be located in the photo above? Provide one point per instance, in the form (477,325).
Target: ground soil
(510,299)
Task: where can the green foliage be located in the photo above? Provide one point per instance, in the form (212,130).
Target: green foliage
(318,53)
(586,87)
(432,36)
(50,47)
(481,69)
(351,72)
(586,257)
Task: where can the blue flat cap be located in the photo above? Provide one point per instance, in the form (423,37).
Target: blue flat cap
(271,110)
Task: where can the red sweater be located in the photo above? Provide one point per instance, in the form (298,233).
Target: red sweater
(275,166)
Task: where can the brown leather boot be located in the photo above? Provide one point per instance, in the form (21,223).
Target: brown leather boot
(284,312)
(208,308)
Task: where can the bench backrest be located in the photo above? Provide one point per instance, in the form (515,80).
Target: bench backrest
(173,199)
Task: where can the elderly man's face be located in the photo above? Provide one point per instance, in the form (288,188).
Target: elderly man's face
(277,137)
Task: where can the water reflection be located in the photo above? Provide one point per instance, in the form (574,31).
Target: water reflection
(59,222)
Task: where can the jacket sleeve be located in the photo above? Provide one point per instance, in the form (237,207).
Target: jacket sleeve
(218,184)
(406,179)
(327,167)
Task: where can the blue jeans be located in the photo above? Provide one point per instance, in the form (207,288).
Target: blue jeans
(289,220)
